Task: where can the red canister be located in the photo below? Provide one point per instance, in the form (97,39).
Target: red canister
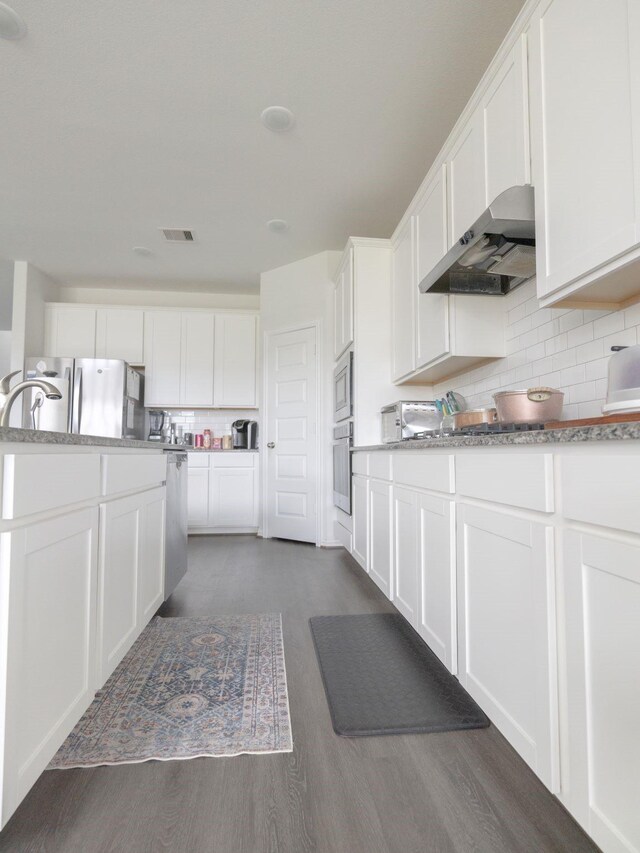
(199,440)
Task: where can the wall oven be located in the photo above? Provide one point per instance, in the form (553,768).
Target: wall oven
(342,441)
(343,388)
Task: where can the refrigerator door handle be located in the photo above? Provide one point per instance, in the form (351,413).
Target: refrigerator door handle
(77,401)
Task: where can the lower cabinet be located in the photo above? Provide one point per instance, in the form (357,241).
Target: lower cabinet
(406,576)
(380,535)
(49,570)
(131,573)
(360,516)
(222,492)
(507,648)
(601,585)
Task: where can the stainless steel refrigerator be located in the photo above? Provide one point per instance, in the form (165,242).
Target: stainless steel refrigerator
(100,396)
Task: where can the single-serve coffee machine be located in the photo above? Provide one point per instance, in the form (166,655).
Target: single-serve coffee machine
(245,435)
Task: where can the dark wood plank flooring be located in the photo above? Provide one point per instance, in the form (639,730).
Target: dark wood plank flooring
(455,792)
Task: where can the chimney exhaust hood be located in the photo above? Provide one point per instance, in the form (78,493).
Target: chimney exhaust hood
(495,255)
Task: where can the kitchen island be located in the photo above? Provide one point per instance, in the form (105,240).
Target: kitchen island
(82,532)
(517,558)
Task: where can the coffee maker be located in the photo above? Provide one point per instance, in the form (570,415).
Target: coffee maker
(245,435)
(156,424)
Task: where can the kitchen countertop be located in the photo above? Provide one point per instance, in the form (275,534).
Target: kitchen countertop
(216,449)
(34,436)
(603,432)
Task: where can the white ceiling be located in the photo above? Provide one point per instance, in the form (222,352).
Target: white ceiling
(119,117)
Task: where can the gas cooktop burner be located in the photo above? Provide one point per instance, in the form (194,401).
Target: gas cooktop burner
(479,429)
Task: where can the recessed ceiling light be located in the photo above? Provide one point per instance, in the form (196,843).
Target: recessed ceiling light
(278,119)
(142,251)
(11,24)
(278,226)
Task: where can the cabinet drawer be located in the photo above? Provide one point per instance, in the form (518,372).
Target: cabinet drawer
(380,466)
(139,471)
(516,479)
(39,482)
(233,460)
(424,471)
(601,490)
(360,464)
(198,459)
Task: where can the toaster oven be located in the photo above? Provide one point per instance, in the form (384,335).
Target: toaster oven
(404,419)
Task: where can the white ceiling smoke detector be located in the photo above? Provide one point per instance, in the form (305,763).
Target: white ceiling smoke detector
(12,26)
(178,235)
(277,226)
(277,119)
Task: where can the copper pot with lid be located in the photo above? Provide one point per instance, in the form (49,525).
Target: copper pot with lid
(529,406)
(471,417)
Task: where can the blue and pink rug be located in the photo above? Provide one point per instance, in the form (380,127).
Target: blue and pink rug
(189,687)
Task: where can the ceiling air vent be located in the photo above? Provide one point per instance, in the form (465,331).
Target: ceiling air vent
(177,235)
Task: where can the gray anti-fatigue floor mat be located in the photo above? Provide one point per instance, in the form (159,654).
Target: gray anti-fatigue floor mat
(381,678)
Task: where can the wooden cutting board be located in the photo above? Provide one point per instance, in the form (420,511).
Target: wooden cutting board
(605,419)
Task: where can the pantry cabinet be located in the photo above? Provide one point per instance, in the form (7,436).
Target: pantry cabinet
(234,383)
(584,76)
(223,494)
(343,306)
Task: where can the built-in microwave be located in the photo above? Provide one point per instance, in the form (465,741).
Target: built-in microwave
(343,388)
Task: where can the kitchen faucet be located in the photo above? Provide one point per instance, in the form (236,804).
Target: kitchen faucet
(8,394)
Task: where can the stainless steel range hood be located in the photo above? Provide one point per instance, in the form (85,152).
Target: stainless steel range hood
(495,255)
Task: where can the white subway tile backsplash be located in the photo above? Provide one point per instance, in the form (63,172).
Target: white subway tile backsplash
(591,351)
(583,392)
(571,320)
(572,376)
(632,315)
(608,324)
(625,338)
(597,369)
(580,335)
(566,358)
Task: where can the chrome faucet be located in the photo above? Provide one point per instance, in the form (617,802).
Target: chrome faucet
(8,394)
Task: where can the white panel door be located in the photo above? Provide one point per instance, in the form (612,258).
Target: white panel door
(70,332)
(120,334)
(235,361)
(507,649)
(47,642)
(291,450)
(437,622)
(432,316)
(602,618)
(466,184)
(406,575)
(162,357)
(197,359)
(198,496)
(404,296)
(151,575)
(381,535)
(360,517)
(582,136)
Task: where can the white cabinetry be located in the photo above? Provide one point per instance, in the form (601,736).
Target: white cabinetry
(585,141)
(467,191)
(360,516)
(223,492)
(162,357)
(48,573)
(120,334)
(234,382)
(70,332)
(343,306)
(404,296)
(380,535)
(406,575)
(507,654)
(196,380)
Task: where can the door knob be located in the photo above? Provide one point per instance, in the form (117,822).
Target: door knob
(271,444)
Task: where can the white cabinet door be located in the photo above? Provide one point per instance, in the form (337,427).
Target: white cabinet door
(406,578)
(505,111)
(235,361)
(403,303)
(162,357)
(338,316)
(380,535)
(151,575)
(466,185)
(347,303)
(507,650)
(196,385)
(118,626)
(70,332)
(198,497)
(48,642)
(602,615)
(233,498)
(360,518)
(432,317)
(581,96)
(120,334)
(437,623)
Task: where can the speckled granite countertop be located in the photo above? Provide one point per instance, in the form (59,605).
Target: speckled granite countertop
(33,436)
(603,432)
(215,449)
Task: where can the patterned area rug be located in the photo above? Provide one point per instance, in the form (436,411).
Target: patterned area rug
(189,687)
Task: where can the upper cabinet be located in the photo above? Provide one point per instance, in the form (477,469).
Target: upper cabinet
(163,358)
(197,364)
(466,177)
(343,306)
(403,308)
(70,332)
(234,382)
(120,334)
(585,144)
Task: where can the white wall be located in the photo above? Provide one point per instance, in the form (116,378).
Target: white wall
(291,296)
(32,289)
(163,298)
(5,353)
(563,348)
(6,294)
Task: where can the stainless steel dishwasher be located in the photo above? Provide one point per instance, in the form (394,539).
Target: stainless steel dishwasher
(175,552)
